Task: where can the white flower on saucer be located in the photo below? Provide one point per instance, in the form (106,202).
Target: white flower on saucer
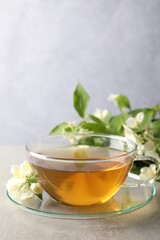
(23,187)
(147,173)
(22,171)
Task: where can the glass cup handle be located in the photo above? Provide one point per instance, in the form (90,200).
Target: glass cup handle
(135,180)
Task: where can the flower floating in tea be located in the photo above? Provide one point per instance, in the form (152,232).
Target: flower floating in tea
(23,187)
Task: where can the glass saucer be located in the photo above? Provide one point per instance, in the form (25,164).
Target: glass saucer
(127,199)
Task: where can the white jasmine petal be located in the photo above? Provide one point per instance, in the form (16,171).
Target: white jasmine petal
(147,173)
(131,122)
(139,148)
(36,188)
(134,122)
(27,168)
(144,169)
(129,133)
(25,187)
(112,97)
(153,167)
(19,187)
(14,184)
(17,171)
(71,124)
(102,114)
(149,146)
(139,117)
(26,194)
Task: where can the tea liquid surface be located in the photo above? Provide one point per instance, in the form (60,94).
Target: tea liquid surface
(81,183)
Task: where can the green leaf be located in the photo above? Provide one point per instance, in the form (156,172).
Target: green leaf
(94,141)
(116,124)
(96,127)
(149,115)
(69,130)
(103,120)
(81,99)
(135,169)
(157,107)
(155,129)
(59,128)
(134,112)
(158,149)
(94,119)
(123,102)
(144,110)
(156,124)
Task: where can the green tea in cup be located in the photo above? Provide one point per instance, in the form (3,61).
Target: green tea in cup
(81,169)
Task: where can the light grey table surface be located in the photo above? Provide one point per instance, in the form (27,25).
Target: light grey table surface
(18,224)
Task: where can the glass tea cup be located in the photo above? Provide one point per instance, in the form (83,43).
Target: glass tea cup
(84,169)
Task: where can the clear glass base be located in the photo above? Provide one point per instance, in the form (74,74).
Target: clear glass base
(126,200)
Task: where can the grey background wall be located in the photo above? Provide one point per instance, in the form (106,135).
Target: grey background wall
(46,47)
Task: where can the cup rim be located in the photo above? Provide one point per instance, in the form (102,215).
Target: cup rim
(44,157)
